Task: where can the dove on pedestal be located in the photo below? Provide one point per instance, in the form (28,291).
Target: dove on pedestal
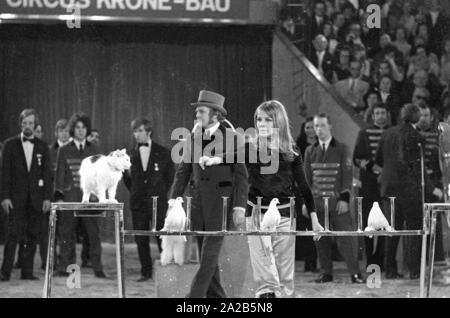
(377,221)
(173,247)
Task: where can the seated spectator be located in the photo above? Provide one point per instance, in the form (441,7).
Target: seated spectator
(353,88)
(318,19)
(422,59)
(339,26)
(342,67)
(321,58)
(408,19)
(401,42)
(389,6)
(329,8)
(388,52)
(353,36)
(392,23)
(349,12)
(385,68)
(328,32)
(421,79)
(389,98)
(359,53)
(420,97)
(422,32)
(437,25)
(445,58)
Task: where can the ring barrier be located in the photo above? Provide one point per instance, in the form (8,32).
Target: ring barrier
(120,232)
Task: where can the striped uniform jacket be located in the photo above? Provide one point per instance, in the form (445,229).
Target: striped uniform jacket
(365,149)
(329,173)
(431,156)
(67,178)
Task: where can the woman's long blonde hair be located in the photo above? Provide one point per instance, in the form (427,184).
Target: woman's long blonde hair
(275,110)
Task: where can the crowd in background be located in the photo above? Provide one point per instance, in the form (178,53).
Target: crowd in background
(405,60)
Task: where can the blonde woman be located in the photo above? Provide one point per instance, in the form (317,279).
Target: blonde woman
(273,258)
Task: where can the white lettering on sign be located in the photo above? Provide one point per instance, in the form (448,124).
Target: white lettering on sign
(118,4)
(211,5)
(67,4)
(14,4)
(208,4)
(164,6)
(223,5)
(50,4)
(38,3)
(192,5)
(101,2)
(132,6)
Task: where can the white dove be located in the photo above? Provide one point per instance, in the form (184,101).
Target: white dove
(272,217)
(377,221)
(173,247)
(269,223)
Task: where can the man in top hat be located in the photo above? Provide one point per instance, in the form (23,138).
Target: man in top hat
(209,184)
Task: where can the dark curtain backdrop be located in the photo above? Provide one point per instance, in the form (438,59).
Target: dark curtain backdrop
(115,73)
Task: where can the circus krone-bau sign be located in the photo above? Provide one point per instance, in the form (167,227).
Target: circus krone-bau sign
(182,11)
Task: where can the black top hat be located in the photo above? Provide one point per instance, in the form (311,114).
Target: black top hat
(211,99)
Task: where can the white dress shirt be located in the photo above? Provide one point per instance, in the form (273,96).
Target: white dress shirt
(144,152)
(77,144)
(211,130)
(352,81)
(319,20)
(60,143)
(384,96)
(326,142)
(28,150)
(434,16)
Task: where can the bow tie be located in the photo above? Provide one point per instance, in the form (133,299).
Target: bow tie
(25,139)
(143,144)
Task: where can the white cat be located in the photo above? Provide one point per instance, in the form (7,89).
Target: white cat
(99,174)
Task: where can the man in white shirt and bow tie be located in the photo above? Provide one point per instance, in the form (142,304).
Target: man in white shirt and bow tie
(26,192)
(151,174)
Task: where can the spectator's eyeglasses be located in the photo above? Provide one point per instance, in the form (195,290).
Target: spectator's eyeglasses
(421,97)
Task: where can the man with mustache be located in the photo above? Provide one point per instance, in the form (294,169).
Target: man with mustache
(26,192)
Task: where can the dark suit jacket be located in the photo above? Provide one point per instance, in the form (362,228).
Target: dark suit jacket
(315,28)
(210,185)
(437,33)
(327,64)
(17,182)
(67,178)
(393,105)
(155,181)
(399,155)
